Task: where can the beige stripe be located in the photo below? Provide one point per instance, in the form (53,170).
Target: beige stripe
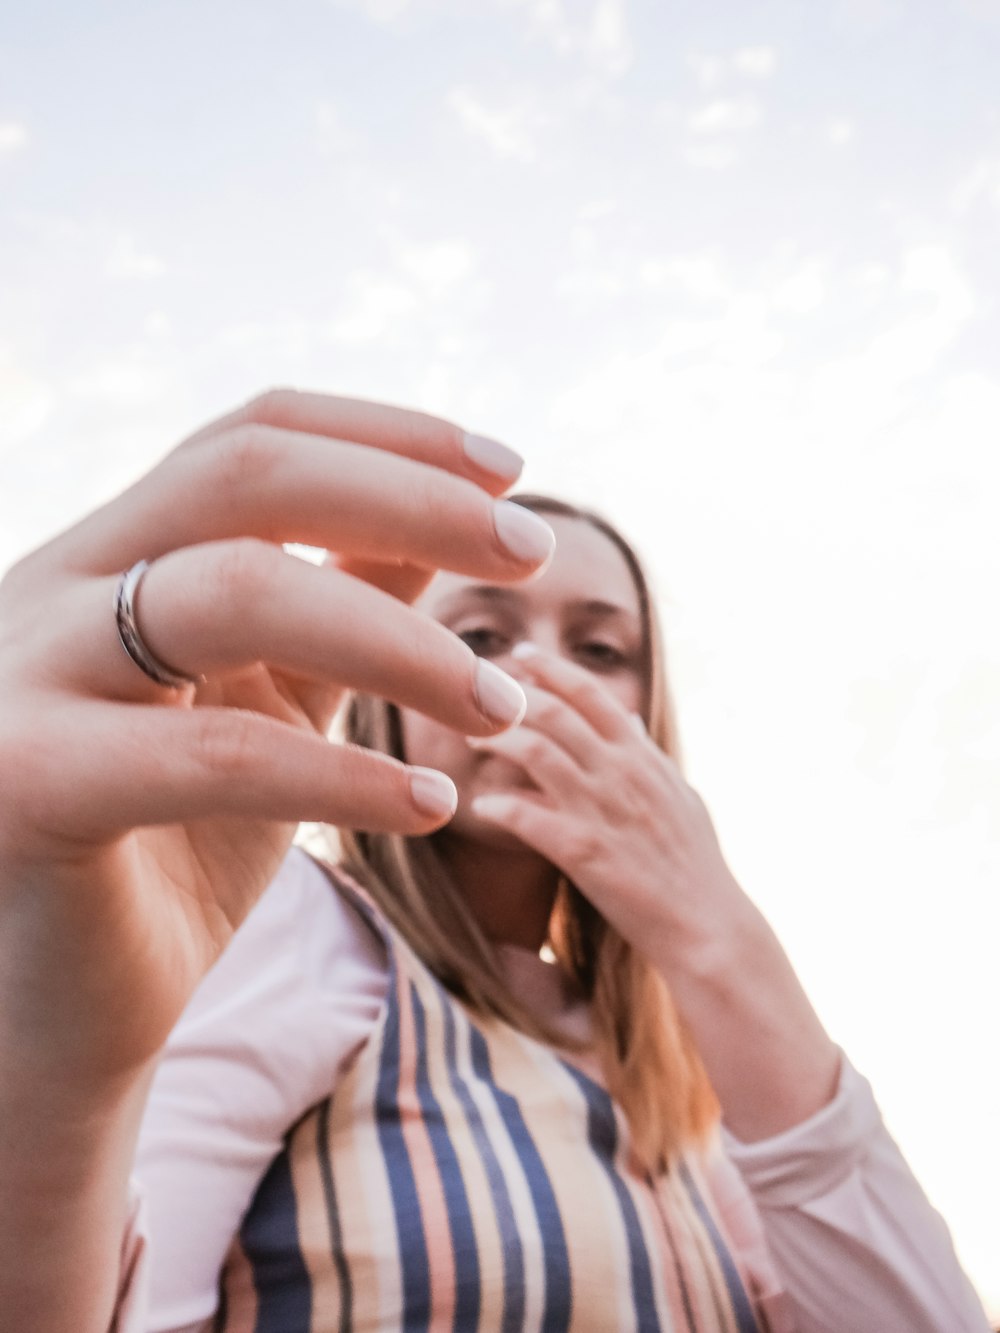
(485,1226)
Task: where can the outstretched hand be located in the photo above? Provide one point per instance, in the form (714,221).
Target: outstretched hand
(139,824)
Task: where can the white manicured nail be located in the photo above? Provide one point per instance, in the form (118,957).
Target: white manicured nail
(433,792)
(525,650)
(492,456)
(524,534)
(498,695)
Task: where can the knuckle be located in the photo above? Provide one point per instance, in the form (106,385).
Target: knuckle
(270,407)
(585,849)
(586,695)
(226,744)
(236,570)
(243,458)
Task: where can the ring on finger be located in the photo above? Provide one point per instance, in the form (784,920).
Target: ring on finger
(133,642)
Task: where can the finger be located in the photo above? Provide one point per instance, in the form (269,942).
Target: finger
(532,822)
(403,581)
(555,718)
(353,499)
(417,435)
(579,688)
(167,766)
(543,760)
(218,608)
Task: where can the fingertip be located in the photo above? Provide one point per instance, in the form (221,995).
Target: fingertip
(500,698)
(489,455)
(433,793)
(523,534)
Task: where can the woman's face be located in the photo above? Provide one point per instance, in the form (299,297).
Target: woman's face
(585,607)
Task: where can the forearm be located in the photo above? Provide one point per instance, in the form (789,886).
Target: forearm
(766,1052)
(65,1157)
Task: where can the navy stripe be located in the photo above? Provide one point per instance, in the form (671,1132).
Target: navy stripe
(558,1282)
(746,1321)
(602,1134)
(510,1238)
(270,1240)
(332,1212)
(463,1237)
(414,1264)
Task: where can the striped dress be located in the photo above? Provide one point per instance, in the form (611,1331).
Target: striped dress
(464,1176)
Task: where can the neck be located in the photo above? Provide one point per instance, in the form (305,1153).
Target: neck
(510,892)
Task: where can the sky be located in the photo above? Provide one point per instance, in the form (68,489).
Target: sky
(728,272)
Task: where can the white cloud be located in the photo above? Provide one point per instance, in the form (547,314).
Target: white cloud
(757,62)
(509,131)
(840,131)
(802,291)
(13,136)
(437,266)
(725,116)
(126,260)
(121,382)
(695,275)
(374,307)
(25,402)
(601,37)
(709,156)
(981,182)
(334,136)
(708,70)
(382,12)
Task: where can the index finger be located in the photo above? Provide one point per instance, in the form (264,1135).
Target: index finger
(397,430)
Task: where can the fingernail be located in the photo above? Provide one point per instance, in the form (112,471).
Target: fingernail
(525,650)
(498,695)
(524,534)
(493,457)
(433,792)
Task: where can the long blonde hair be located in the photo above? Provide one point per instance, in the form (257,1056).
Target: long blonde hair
(648,1058)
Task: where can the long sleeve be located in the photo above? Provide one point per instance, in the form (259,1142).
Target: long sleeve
(854,1241)
(293,996)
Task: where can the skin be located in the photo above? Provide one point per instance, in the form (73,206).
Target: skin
(139,825)
(510,884)
(579,787)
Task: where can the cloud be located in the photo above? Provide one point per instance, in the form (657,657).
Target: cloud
(421,277)
(510,131)
(757,62)
(600,38)
(709,156)
(25,402)
(753,62)
(725,116)
(698,276)
(982,182)
(334,136)
(375,304)
(840,131)
(383,12)
(126,260)
(13,136)
(801,292)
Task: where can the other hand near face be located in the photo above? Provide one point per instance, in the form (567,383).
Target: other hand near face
(612,811)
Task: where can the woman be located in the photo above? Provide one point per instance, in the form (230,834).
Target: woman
(382,1108)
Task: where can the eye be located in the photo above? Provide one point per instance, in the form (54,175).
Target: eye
(602,655)
(484,640)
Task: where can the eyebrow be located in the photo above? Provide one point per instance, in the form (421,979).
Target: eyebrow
(489,592)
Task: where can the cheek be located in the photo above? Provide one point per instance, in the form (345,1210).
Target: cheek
(430,744)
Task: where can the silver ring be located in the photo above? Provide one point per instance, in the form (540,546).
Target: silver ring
(132,640)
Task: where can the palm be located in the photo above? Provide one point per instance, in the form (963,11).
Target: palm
(198,880)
